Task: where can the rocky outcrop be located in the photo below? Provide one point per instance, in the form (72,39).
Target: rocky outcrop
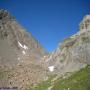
(74,52)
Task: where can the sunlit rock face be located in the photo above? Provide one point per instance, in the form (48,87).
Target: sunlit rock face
(15,42)
(74,52)
(85,24)
(20,54)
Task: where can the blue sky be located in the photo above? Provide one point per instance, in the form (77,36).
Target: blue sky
(49,21)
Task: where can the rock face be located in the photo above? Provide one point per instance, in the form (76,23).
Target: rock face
(20,53)
(74,52)
(15,43)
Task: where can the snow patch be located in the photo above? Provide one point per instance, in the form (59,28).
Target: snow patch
(24,52)
(22,46)
(44,56)
(18,58)
(51,68)
(25,47)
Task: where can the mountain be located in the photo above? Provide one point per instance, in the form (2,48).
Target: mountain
(20,54)
(73,53)
(25,64)
(68,67)
(79,80)
(15,43)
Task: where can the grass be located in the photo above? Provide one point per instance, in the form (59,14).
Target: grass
(77,81)
(43,85)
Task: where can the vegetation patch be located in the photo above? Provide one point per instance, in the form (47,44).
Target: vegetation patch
(77,81)
(43,85)
(86,39)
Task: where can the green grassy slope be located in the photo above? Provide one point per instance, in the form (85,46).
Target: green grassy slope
(77,81)
(43,85)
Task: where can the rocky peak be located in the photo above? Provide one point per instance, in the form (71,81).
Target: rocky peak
(85,24)
(5,15)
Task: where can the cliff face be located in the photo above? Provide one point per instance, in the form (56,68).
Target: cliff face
(74,52)
(20,54)
(15,43)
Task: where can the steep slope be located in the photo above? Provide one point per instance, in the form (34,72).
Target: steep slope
(68,67)
(76,81)
(20,54)
(15,43)
(73,53)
